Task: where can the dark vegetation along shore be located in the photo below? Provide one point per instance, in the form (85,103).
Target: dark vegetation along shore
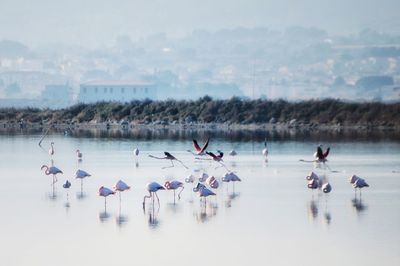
(233,113)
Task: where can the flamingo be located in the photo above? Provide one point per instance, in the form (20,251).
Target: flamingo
(190,179)
(312,176)
(199,150)
(205,192)
(198,187)
(203,177)
(212,182)
(169,156)
(152,188)
(79,154)
(313,184)
(136,151)
(217,158)
(232,153)
(51,150)
(52,170)
(80,174)
(321,156)
(326,188)
(121,186)
(174,185)
(358,182)
(67,185)
(231,177)
(105,192)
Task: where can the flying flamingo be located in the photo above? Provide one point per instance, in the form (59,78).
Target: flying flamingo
(321,156)
(79,154)
(51,150)
(105,192)
(152,188)
(169,156)
(199,150)
(174,185)
(121,186)
(52,170)
(358,182)
(217,158)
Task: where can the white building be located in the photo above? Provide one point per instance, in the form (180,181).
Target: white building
(116,90)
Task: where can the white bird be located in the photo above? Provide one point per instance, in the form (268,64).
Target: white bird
(79,154)
(358,182)
(121,186)
(212,182)
(105,192)
(174,185)
(265,150)
(232,153)
(326,188)
(190,179)
(51,150)
(136,151)
(52,170)
(152,188)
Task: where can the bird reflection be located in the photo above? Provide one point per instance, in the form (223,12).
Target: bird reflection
(153,221)
(207,211)
(104,216)
(231,197)
(358,205)
(81,195)
(174,208)
(313,209)
(121,219)
(52,195)
(136,163)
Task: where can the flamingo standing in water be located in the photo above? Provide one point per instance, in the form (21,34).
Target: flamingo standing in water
(190,179)
(174,185)
(105,192)
(212,182)
(326,188)
(199,150)
(231,177)
(232,153)
(51,150)
(121,186)
(204,192)
(79,154)
(80,174)
(169,156)
(152,188)
(358,182)
(136,151)
(52,170)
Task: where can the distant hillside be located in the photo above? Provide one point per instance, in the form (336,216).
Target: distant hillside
(207,110)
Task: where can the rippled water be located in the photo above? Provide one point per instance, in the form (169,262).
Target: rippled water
(269,218)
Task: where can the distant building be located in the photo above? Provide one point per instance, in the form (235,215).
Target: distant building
(116,90)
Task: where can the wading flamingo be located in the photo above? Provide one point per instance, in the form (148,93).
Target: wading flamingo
(136,151)
(121,186)
(79,154)
(105,192)
(174,185)
(152,188)
(52,170)
(358,182)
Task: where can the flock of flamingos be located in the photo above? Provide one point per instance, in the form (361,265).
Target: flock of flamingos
(206,184)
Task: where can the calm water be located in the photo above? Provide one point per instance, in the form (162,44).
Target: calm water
(269,218)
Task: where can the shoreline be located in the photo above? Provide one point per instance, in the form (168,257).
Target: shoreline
(9,126)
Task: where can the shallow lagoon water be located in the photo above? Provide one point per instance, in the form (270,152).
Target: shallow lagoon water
(269,218)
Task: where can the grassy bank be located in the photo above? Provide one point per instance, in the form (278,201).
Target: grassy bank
(207,110)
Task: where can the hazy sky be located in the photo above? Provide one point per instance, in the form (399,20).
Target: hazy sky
(90,22)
